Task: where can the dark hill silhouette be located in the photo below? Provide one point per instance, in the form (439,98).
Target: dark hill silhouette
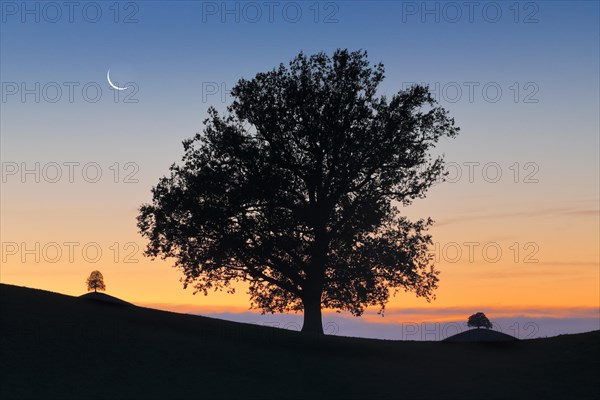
(102,297)
(57,346)
(480,335)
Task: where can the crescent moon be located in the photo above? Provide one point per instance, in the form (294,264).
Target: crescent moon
(112,84)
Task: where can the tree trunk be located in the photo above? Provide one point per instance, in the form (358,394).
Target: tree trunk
(313,290)
(313,323)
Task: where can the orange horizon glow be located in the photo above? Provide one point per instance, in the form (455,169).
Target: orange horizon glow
(551,279)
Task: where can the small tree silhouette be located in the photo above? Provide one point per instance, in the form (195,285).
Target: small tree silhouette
(96,281)
(479,320)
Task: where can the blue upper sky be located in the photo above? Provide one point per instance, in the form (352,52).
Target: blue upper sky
(179,52)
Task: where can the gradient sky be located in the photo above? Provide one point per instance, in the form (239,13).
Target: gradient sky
(521,80)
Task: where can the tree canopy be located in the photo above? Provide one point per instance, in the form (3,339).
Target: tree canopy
(296,190)
(479,320)
(95,282)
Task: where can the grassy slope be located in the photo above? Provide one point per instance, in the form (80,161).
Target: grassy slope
(56,346)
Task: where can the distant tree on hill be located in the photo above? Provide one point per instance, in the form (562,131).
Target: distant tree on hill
(96,281)
(479,320)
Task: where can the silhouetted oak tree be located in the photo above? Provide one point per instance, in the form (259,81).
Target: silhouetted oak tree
(479,320)
(95,281)
(294,190)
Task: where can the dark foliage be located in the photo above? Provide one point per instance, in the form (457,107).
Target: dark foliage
(295,190)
